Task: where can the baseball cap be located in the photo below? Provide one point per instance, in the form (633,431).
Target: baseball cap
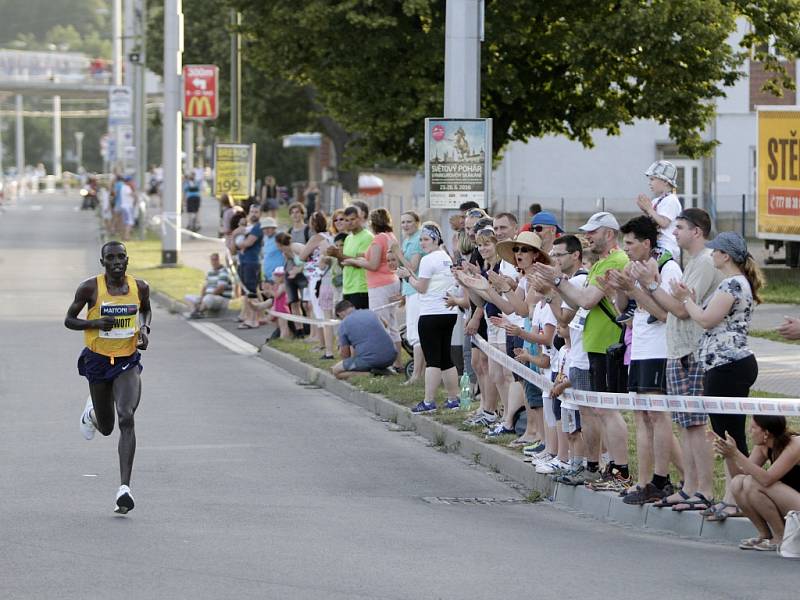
(268,222)
(279,271)
(600,219)
(546,218)
(732,244)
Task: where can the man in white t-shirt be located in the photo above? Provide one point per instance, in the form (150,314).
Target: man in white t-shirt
(654,437)
(665,206)
(567,255)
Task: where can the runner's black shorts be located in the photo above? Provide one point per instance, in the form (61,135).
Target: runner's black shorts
(97,368)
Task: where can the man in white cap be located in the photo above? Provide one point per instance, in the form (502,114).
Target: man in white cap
(600,330)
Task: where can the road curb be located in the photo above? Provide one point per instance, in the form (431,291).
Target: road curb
(603,506)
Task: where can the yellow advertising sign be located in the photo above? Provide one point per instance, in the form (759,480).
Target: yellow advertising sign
(778,206)
(234,170)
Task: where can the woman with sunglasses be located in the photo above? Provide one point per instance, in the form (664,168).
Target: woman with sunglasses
(524,251)
(338,223)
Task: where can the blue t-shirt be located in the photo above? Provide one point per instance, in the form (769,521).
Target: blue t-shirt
(273,257)
(363,330)
(252,255)
(191,189)
(411,247)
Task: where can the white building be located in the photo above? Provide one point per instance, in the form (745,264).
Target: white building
(547,170)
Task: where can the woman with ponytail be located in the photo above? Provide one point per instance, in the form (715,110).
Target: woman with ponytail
(765,495)
(730,366)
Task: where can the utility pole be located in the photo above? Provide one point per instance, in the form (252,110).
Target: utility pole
(79,149)
(20,145)
(140,94)
(236,77)
(171,147)
(462,66)
(116,42)
(57,136)
(462,59)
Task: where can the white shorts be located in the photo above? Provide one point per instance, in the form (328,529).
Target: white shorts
(495,335)
(412,319)
(381,296)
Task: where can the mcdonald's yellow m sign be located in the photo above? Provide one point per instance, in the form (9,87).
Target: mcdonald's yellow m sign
(199,107)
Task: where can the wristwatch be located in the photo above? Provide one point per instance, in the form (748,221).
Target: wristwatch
(652,286)
(557,281)
(147,327)
(548,299)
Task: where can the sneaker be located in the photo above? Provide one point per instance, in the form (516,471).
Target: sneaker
(87,424)
(533,449)
(124,500)
(570,476)
(643,495)
(612,481)
(453,404)
(627,314)
(424,407)
(542,459)
(499,430)
(481,418)
(550,467)
(582,476)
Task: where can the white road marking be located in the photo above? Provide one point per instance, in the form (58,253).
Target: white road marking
(225,338)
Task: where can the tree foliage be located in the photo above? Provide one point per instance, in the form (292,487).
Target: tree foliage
(569,68)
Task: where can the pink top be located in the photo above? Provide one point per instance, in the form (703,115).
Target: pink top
(383,276)
(280,303)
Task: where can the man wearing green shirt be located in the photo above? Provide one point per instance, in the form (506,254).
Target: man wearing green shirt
(354,279)
(600,331)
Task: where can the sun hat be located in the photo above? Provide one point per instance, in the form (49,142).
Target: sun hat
(546,218)
(524,238)
(732,244)
(600,219)
(268,222)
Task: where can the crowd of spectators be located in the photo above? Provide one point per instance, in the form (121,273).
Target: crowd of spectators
(650,306)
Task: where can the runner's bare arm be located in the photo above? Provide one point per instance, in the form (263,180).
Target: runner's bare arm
(145,313)
(85,295)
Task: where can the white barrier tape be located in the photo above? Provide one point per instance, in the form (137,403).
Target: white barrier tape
(572,398)
(323,322)
(157,219)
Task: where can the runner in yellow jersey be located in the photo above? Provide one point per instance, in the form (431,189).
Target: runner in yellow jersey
(116,327)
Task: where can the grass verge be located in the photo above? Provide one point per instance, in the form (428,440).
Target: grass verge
(771,334)
(783,286)
(175,282)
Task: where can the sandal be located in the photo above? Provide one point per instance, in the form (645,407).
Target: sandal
(664,503)
(765,546)
(720,514)
(750,543)
(699,503)
(244,326)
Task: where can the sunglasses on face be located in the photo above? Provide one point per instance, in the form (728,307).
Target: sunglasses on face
(475,213)
(539,228)
(521,249)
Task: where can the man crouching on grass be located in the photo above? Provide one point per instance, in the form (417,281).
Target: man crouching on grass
(364,343)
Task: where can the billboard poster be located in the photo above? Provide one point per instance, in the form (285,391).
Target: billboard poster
(234,170)
(120,105)
(458,161)
(778,173)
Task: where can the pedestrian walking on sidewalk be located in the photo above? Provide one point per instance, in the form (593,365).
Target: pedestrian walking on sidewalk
(116,328)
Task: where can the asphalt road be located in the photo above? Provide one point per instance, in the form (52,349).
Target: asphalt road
(249,485)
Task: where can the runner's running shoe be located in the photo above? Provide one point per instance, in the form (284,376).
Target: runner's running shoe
(124,500)
(87,424)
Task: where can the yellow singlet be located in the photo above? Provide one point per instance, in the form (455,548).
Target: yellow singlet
(122,339)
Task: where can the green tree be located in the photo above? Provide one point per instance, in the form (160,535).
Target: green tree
(37,17)
(566,68)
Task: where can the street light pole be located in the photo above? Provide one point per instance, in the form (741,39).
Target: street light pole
(171,146)
(236,77)
(79,149)
(20,146)
(57,136)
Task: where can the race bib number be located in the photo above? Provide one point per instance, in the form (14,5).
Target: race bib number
(579,320)
(124,320)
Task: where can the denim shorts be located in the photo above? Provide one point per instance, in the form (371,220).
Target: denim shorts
(533,395)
